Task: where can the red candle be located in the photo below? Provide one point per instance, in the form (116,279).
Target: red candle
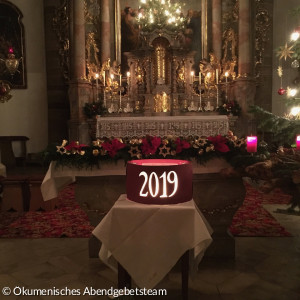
(10,50)
(251,144)
(298,142)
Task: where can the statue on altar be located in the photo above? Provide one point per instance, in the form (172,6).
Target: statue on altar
(161,103)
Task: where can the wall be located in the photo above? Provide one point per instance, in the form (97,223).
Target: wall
(26,112)
(283,25)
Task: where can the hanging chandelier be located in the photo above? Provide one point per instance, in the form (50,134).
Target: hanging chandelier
(158,14)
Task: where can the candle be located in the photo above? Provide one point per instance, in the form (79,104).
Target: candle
(226,76)
(251,144)
(217,76)
(128,78)
(120,93)
(298,142)
(97,76)
(200,78)
(192,76)
(104,78)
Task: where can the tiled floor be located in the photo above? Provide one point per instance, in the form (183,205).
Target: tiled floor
(264,268)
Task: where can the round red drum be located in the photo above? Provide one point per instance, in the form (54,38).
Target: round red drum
(159,181)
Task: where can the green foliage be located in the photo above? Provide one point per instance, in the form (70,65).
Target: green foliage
(231,107)
(93,109)
(284,130)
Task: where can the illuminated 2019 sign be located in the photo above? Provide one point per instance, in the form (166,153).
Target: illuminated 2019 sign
(159,181)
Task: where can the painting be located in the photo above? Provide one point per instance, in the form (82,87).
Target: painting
(12,52)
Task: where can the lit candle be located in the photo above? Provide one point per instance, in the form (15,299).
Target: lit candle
(226,76)
(251,144)
(217,76)
(128,78)
(192,76)
(200,78)
(97,76)
(298,142)
(104,78)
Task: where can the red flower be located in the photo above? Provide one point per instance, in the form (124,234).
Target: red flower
(219,143)
(181,144)
(75,145)
(112,147)
(150,145)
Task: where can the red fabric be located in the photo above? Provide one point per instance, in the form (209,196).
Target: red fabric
(69,220)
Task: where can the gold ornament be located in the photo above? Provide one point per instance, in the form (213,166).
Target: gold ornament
(95,152)
(285,51)
(279,71)
(164,151)
(135,151)
(61,149)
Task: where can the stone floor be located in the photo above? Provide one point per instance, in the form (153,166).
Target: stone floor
(264,268)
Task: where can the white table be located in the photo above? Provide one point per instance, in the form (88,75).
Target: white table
(58,177)
(148,240)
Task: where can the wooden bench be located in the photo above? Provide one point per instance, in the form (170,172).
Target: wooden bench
(23,193)
(6,149)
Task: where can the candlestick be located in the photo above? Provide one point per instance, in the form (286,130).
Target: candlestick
(298,142)
(226,76)
(120,108)
(97,76)
(251,144)
(217,97)
(192,76)
(104,78)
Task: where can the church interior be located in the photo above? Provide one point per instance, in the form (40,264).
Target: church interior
(150,148)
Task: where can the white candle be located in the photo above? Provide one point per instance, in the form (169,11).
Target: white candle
(217,76)
(128,77)
(200,78)
(97,76)
(192,76)
(104,78)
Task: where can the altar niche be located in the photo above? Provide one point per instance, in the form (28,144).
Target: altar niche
(159,74)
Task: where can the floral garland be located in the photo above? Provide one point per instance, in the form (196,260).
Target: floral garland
(201,149)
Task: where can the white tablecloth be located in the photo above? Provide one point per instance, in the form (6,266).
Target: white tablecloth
(58,177)
(148,240)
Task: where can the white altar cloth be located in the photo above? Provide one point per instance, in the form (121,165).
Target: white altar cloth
(57,178)
(148,240)
(162,126)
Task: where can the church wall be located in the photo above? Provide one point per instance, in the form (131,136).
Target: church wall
(284,24)
(26,112)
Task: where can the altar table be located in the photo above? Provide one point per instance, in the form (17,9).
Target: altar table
(58,177)
(162,126)
(148,240)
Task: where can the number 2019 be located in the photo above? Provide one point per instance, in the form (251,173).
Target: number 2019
(154,184)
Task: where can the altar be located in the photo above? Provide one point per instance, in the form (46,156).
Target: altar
(162,126)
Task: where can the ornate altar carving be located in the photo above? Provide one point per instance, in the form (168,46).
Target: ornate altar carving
(159,73)
(162,126)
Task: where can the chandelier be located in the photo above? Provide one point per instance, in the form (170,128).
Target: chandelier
(158,14)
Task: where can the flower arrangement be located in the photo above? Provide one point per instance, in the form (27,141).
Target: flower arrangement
(201,149)
(93,109)
(231,107)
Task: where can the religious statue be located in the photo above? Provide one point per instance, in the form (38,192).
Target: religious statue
(161,102)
